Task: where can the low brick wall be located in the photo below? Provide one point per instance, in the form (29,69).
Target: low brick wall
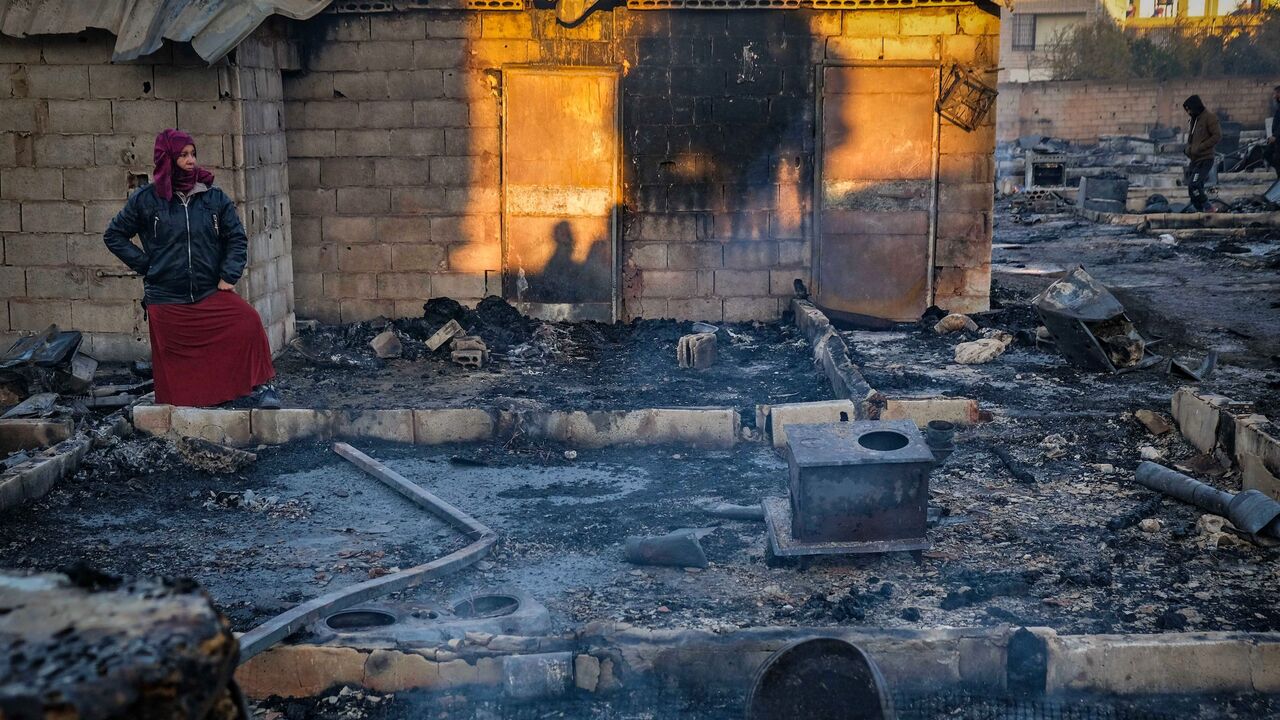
(1084,110)
(700,427)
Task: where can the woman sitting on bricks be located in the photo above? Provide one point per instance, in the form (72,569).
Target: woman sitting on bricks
(207,344)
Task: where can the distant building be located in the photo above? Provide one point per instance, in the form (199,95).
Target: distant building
(1029,31)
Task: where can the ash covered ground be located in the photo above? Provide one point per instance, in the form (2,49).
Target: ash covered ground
(1068,550)
(582,366)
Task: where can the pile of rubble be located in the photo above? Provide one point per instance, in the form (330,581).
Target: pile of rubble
(1133,174)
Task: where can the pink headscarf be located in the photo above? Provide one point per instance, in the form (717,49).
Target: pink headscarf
(167,176)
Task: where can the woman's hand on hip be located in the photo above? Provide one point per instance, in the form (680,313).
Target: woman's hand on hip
(224,285)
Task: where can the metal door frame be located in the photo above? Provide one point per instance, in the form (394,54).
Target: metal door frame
(614,72)
(815,252)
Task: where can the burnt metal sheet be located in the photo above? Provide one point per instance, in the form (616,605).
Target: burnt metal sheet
(560,182)
(875,191)
(213,27)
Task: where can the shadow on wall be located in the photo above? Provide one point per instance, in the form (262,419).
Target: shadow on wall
(564,278)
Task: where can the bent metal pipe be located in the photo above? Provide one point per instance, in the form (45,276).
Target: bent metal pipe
(290,621)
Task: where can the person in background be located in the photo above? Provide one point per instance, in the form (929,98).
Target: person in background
(1272,151)
(1203,135)
(207,344)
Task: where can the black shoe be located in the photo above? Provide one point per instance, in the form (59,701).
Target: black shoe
(267,398)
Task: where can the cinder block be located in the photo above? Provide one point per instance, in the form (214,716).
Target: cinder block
(54,217)
(752,309)
(27,434)
(459,285)
(960,411)
(448,425)
(395,671)
(937,21)
(294,671)
(277,427)
(855,48)
(81,117)
(226,427)
(669,283)
(1184,663)
(1198,416)
(1255,475)
(1264,659)
(776,418)
(389,425)
(130,114)
(153,419)
(39,314)
(408,257)
(31,184)
(871,23)
(105,317)
(404,285)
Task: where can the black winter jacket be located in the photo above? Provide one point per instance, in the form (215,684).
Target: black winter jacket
(186,247)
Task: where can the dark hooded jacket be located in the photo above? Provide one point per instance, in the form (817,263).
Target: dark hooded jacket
(1204,132)
(187,246)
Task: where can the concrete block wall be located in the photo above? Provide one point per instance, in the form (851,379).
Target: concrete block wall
(394,140)
(261,162)
(73,127)
(1084,110)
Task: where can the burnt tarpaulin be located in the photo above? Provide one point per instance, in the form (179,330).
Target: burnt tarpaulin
(49,360)
(1089,324)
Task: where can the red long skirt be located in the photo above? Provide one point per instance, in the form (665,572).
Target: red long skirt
(208,352)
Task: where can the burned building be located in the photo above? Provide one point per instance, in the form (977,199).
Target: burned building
(646,160)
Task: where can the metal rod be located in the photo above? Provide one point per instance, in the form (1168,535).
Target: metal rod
(281,626)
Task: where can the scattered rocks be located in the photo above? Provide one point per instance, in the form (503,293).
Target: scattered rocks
(1150,525)
(955,322)
(1153,422)
(979,352)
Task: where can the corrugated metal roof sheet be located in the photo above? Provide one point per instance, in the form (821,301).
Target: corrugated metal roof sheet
(213,27)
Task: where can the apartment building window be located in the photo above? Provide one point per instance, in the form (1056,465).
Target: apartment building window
(1024,32)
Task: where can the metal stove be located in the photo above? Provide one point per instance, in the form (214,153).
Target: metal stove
(854,487)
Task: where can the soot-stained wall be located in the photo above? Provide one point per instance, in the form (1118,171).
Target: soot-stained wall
(395,152)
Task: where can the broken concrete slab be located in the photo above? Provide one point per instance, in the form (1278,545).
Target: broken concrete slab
(1197,416)
(448,425)
(26,434)
(225,427)
(1255,475)
(388,425)
(1256,436)
(776,418)
(277,427)
(962,412)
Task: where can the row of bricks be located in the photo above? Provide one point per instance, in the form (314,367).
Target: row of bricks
(80,151)
(110,316)
(109,116)
(86,249)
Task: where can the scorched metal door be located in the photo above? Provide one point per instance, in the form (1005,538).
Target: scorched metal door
(875,190)
(560,175)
